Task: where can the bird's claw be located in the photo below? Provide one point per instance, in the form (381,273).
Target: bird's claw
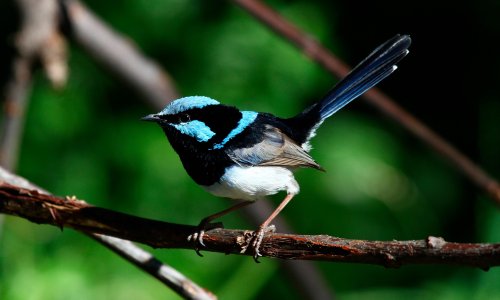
(253,240)
(197,236)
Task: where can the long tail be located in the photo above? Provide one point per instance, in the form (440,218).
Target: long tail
(373,69)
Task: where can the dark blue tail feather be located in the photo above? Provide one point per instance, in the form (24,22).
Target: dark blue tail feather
(377,66)
(373,69)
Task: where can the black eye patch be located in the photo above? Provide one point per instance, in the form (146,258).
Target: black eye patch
(184,118)
(176,119)
(220,119)
(166,118)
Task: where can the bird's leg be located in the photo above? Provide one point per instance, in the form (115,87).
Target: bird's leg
(205,225)
(258,235)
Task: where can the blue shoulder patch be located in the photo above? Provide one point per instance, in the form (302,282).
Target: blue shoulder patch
(247,118)
(197,129)
(186,103)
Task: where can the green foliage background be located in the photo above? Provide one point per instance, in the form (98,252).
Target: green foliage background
(86,140)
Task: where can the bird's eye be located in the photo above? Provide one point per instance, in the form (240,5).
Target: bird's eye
(184,118)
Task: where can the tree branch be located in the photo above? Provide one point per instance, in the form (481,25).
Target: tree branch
(379,100)
(132,253)
(77,214)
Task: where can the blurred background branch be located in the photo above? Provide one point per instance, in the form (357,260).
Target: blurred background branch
(37,40)
(144,260)
(119,54)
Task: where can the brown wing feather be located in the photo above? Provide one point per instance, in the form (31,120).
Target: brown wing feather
(292,155)
(276,149)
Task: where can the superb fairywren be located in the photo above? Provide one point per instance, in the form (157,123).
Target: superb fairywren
(248,155)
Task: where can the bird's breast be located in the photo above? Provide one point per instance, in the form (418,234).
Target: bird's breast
(253,183)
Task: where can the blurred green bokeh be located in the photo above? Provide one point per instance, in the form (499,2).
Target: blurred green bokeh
(381,183)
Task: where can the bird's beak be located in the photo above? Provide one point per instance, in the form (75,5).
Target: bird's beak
(151,118)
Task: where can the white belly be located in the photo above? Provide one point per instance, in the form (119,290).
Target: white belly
(253,183)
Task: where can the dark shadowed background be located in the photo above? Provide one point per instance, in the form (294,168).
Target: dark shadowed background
(381,182)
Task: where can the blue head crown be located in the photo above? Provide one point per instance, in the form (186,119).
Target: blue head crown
(187,103)
(198,129)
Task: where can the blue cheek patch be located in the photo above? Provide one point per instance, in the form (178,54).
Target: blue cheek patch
(187,103)
(199,130)
(247,118)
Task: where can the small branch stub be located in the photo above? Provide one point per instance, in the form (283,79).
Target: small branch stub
(435,242)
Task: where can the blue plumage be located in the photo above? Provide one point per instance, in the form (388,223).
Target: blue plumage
(186,103)
(377,66)
(247,155)
(247,118)
(197,129)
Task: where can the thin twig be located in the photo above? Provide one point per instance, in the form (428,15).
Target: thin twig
(61,212)
(381,101)
(119,54)
(14,107)
(147,262)
(139,257)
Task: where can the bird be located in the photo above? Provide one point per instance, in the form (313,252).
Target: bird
(247,155)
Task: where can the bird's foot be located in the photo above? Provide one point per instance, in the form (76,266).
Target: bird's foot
(253,240)
(197,236)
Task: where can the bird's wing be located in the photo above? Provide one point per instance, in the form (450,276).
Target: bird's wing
(276,149)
